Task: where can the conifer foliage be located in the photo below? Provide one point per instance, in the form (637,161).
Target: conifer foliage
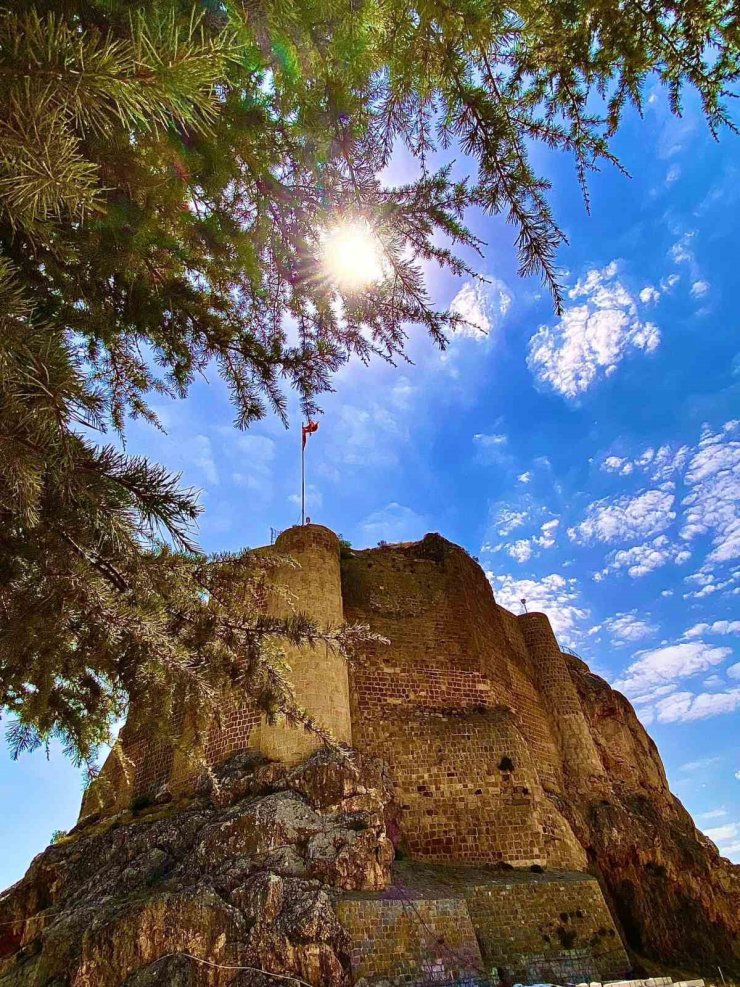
(168,171)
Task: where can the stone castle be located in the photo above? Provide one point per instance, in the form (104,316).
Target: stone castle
(527,809)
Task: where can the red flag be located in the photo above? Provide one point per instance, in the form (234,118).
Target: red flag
(308,429)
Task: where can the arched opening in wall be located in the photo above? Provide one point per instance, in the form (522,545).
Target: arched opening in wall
(506,763)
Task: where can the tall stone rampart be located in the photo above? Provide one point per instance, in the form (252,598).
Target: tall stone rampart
(448,704)
(309,584)
(582,765)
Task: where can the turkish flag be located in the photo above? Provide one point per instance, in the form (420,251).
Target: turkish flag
(308,429)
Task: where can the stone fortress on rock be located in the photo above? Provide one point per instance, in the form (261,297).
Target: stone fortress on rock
(528,811)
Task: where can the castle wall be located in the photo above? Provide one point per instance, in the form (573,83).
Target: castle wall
(410,940)
(318,673)
(556,929)
(492,736)
(447,704)
(444,925)
(582,765)
(308,583)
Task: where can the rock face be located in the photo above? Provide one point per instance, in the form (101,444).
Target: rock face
(181,892)
(484,750)
(675,897)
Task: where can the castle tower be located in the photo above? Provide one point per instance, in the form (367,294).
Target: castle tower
(318,673)
(581,761)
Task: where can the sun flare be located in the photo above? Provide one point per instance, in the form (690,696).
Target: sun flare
(352,255)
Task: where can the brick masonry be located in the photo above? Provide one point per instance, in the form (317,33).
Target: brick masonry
(447,924)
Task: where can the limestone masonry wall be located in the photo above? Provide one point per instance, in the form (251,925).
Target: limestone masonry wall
(449,924)
(448,704)
(318,674)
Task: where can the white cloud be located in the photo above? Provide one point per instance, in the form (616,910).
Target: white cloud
(314,499)
(628,627)
(626,518)
(483,306)
(733,671)
(639,560)
(713,814)
(669,663)
(521,550)
(700,765)
(525,477)
(683,707)
(717,627)
(660,463)
(708,583)
(721,834)
(682,251)
(649,295)
(496,439)
(547,536)
(673,174)
(616,464)
(507,520)
(669,283)
(593,335)
(554,595)
(491,448)
(699,288)
(393,523)
(712,506)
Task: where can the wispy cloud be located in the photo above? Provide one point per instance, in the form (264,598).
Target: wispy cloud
(639,560)
(669,664)
(716,627)
(483,306)
(712,506)
(691,767)
(700,288)
(713,814)
(393,523)
(626,628)
(685,707)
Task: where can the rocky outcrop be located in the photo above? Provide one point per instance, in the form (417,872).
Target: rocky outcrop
(676,899)
(239,876)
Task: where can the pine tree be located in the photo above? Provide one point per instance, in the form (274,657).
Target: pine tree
(168,170)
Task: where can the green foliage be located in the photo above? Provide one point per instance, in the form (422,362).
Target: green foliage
(168,170)
(57,836)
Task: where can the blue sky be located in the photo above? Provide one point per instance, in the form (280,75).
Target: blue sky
(591,462)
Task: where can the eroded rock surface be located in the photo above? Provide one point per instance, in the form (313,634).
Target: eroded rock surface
(675,897)
(238,876)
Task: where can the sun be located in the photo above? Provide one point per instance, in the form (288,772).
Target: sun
(352,255)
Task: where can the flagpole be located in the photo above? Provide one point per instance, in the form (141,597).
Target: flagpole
(303,477)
